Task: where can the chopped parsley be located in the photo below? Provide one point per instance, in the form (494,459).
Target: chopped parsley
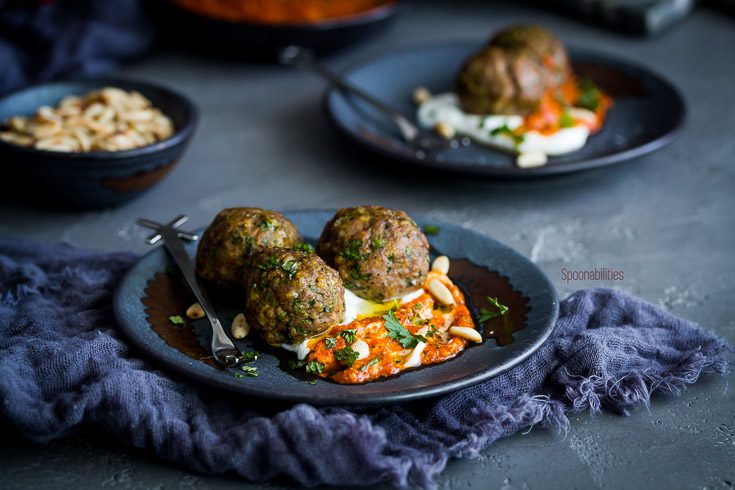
(250,356)
(250,371)
(504,129)
(377,243)
(288,266)
(296,364)
(238,375)
(350,335)
(266,225)
(566,121)
(314,367)
(176,320)
(352,251)
(346,356)
(312,382)
(330,342)
(400,333)
(365,367)
(431,229)
(589,95)
(304,247)
(486,315)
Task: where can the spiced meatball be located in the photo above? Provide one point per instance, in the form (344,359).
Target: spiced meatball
(226,247)
(380,253)
(292,295)
(512,72)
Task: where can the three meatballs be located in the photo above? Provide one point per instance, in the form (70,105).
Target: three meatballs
(226,248)
(292,294)
(513,71)
(380,253)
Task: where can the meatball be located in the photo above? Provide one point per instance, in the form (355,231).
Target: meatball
(292,295)
(228,244)
(512,73)
(380,253)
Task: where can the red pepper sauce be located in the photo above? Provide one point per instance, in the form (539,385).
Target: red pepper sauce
(387,356)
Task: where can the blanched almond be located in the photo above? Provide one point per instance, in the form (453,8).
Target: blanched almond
(440,292)
(441,264)
(240,327)
(414,359)
(444,130)
(531,159)
(466,333)
(421,95)
(195,311)
(362,349)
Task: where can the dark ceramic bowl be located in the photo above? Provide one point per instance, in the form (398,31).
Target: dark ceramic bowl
(251,40)
(92,179)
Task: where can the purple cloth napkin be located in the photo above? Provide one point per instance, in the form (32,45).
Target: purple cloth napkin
(52,39)
(64,365)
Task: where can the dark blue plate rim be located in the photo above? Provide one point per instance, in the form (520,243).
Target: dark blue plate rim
(429,162)
(180,135)
(523,275)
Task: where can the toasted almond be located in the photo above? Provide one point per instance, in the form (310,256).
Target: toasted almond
(445,130)
(421,95)
(195,311)
(441,264)
(362,349)
(414,358)
(441,292)
(466,333)
(240,327)
(531,159)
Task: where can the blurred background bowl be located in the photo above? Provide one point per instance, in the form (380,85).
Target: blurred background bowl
(248,39)
(94,179)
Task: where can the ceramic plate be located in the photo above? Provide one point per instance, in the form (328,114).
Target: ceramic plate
(152,291)
(647,112)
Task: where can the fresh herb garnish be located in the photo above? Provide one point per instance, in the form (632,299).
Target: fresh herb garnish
(589,95)
(250,356)
(270,265)
(504,129)
(350,335)
(314,367)
(377,243)
(400,333)
(431,229)
(346,356)
(238,375)
(330,342)
(289,267)
(176,320)
(266,225)
(296,364)
(304,247)
(352,251)
(250,371)
(566,121)
(486,315)
(365,367)
(312,382)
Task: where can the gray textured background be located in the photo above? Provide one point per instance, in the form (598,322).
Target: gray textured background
(665,220)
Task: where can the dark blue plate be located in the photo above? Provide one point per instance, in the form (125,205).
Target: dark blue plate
(647,113)
(148,295)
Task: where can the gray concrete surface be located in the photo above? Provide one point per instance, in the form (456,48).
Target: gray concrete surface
(665,220)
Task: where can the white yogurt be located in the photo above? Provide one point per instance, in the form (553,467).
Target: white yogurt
(445,108)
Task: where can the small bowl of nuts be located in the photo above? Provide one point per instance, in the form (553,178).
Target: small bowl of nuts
(92,143)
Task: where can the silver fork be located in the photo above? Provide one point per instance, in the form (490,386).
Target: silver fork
(421,140)
(223,349)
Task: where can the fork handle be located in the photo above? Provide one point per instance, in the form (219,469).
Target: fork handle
(297,56)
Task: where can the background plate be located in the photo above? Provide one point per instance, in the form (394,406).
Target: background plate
(647,112)
(530,289)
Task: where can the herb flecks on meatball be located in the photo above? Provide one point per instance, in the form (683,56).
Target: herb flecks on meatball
(512,72)
(226,248)
(380,253)
(292,295)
